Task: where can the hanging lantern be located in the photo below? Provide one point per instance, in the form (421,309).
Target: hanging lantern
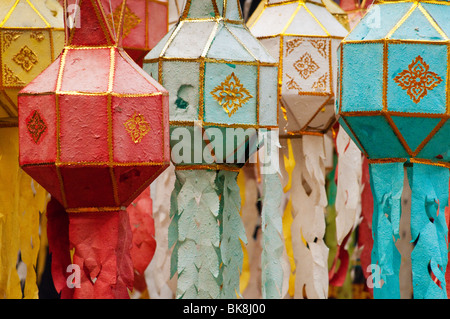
(221,81)
(31,37)
(93,131)
(303,36)
(393,102)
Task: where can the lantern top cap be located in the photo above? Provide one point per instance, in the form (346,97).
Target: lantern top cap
(210,9)
(87,25)
(31,14)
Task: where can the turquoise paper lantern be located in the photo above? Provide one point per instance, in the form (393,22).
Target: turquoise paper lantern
(393,101)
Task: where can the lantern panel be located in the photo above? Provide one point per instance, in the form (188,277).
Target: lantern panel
(371,27)
(268,96)
(273,20)
(192,34)
(185,79)
(424,32)
(305,22)
(48,176)
(438,148)
(440,15)
(87,68)
(333,26)
(39,131)
(89,142)
(226,46)
(417,76)
(307,66)
(138,133)
(230,98)
(130,73)
(368,64)
(376,136)
(272,45)
(82,190)
(158,18)
(132,180)
(134,23)
(200,9)
(414,138)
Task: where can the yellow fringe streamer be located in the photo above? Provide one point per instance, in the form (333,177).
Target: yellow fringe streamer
(22,203)
(245,275)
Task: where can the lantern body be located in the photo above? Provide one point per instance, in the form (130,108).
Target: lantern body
(393,99)
(220,77)
(93,127)
(303,37)
(31,37)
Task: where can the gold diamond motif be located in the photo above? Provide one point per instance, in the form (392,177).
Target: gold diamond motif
(231,94)
(25,58)
(137,127)
(306,66)
(130,20)
(417,80)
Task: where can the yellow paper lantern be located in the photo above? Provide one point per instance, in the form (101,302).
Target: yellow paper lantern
(31,37)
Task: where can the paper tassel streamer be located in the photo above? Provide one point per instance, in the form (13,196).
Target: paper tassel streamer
(195,224)
(143,231)
(429,230)
(381,112)
(348,196)
(233,233)
(271,259)
(23,203)
(157,274)
(95,162)
(308,226)
(31,36)
(220,80)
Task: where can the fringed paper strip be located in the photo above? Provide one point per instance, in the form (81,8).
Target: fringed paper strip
(365,239)
(144,243)
(271,220)
(245,274)
(308,227)
(387,186)
(157,274)
(429,230)
(233,233)
(272,242)
(59,248)
(287,157)
(348,195)
(102,244)
(252,222)
(22,203)
(196,255)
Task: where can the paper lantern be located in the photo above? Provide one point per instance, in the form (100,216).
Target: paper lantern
(221,81)
(31,37)
(393,102)
(303,36)
(93,131)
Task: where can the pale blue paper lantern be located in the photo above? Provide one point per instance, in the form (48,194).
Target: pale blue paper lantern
(394,103)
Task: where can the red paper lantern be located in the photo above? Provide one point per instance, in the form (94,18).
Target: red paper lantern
(93,129)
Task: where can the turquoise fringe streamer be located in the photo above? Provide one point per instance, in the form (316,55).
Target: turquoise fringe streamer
(194,232)
(272,241)
(387,186)
(233,232)
(429,257)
